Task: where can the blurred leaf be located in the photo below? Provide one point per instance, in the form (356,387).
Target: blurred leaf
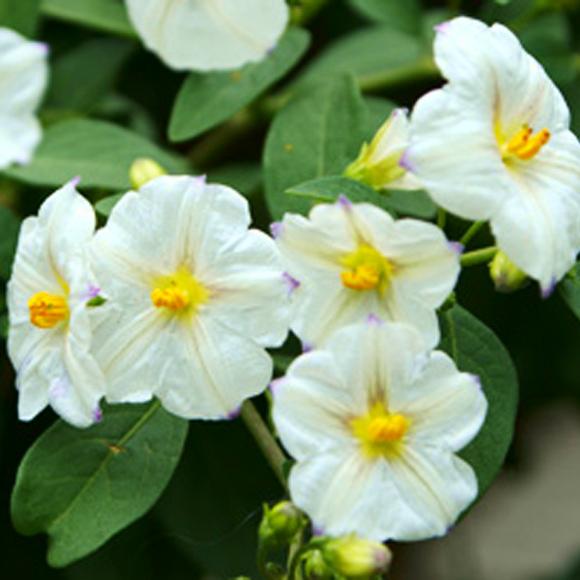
(328,189)
(79,81)
(100,153)
(374,55)
(9,226)
(405,16)
(107,15)
(82,486)
(548,38)
(570,289)
(105,206)
(318,133)
(206,100)
(20,15)
(243,177)
(214,503)
(476,349)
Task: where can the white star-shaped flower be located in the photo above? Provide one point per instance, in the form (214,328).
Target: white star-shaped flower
(50,330)
(374,422)
(194,297)
(209,34)
(352,260)
(23,78)
(494,144)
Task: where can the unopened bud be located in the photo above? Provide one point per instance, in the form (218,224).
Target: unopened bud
(281,522)
(144,170)
(315,567)
(379,164)
(354,557)
(506,276)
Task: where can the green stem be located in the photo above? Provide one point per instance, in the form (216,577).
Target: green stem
(264,439)
(471,232)
(441,218)
(477,257)
(424,69)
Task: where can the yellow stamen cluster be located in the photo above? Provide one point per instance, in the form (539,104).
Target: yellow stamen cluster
(181,292)
(366,269)
(380,432)
(525,144)
(47,310)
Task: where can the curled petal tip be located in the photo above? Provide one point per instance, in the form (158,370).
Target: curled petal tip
(344,202)
(374,320)
(274,386)
(276,229)
(307,347)
(75,181)
(547,291)
(442,27)
(97,415)
(201,179)
(476,380)
(291,283)
(405,162)
(456,247)
(317,530)
(234,414)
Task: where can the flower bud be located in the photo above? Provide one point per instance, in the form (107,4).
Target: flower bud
(281,522)
(379,163)
(506,276)
(357,558)
(144,170)
(315,567)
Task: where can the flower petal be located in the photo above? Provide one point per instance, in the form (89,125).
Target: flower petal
(250,295)
(209,34)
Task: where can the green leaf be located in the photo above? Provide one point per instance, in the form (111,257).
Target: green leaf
(9,226)
(100,153)
(376,56)
(405,16)
(570,289)
(243,177)
(79,81)
(20,15)
(476,349)
(105,206)
(318,133)
(328,190)
(107,15)
(379,110)
(205,100)
(83,486)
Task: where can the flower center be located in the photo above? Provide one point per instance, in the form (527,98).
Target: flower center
(47,310)
(180,292)
(366,269)
(380,433)
(525,144)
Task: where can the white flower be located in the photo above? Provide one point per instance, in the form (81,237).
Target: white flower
(374,423)
(50,331)
(494,144)
(352,260)
(209,34)
(23,78)
(378,163)
(193,299)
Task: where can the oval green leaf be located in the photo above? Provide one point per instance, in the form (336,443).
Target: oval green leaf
(317,134)
(476,349)
(99,153)
(83,486)
(570,289)
(205,100)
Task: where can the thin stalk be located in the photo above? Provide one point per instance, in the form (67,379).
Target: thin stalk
(471,232)
(441,218)
(264,439)
(477,257)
